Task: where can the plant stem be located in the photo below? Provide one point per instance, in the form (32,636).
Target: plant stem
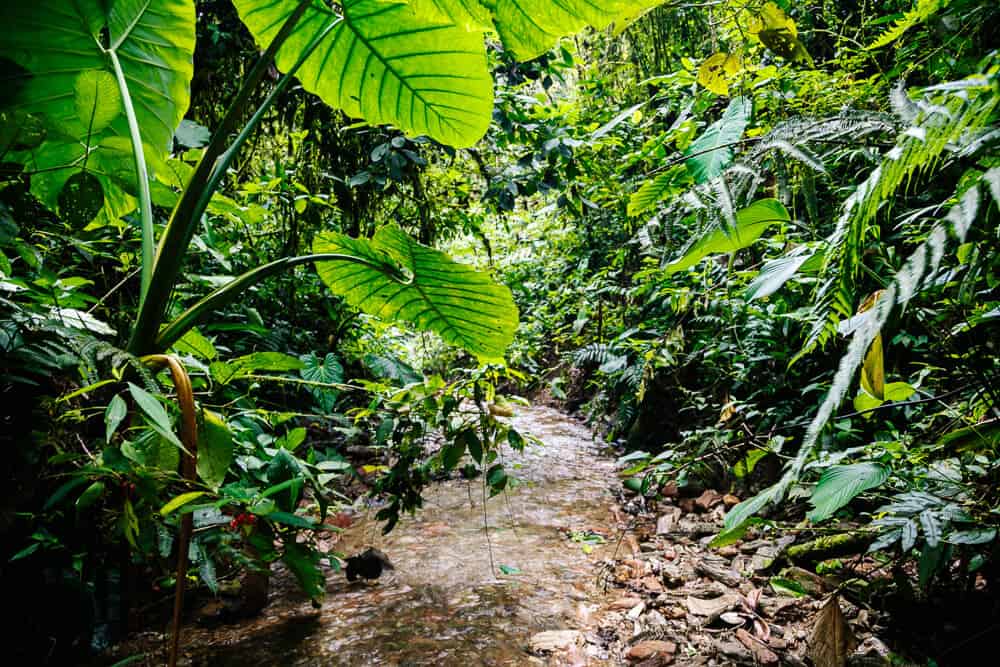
(233,289)
(186,214)
(142,180)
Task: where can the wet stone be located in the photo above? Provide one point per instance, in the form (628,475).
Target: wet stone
(647,649)
(555,640)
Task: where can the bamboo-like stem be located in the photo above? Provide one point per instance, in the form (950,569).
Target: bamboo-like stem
(234,288)
(189,472)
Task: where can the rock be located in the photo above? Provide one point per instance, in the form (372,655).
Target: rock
(872,651)
(669,490)
(734,651)
(707,500)
(665,524)
(718,569)
(762,654)
(554,640)
(713,608)
(732,618)
(730,501)
(636,611)
(654,619)
(647,547)
(696,528)
(621,604)
(675,613)
(657,660)
(648,649)
(651,584)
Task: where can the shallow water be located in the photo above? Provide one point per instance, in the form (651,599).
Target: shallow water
(445,604)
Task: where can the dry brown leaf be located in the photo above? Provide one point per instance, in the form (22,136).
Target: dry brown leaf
(762,654)
(832,641)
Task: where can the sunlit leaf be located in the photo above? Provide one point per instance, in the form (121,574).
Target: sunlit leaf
(751,222)
(775,273)
(462,305)
(68,82)
(387,64)
(179,501)
(718,71)
(711,153)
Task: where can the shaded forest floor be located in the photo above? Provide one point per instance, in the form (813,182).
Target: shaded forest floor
(576,571)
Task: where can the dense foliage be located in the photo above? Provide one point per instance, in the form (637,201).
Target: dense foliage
(313,242)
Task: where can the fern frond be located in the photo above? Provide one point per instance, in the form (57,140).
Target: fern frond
(942,125)
(923,10)
(917,273)
(594,353)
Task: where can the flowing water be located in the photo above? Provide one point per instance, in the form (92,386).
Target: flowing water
(449,601)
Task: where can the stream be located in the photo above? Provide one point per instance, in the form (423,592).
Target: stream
(455,597)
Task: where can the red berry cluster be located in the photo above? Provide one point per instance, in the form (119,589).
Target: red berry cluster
(242,519)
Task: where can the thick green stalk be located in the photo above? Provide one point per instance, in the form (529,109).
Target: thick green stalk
(222,164)
(233,289)
(142,178)
(187,213)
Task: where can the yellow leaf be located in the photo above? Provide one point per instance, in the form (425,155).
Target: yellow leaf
(771,17)
(718,71)
(775,30)
(180,501)
(873,370)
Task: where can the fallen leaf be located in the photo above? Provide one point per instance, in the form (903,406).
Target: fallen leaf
(762,654)
(832,640)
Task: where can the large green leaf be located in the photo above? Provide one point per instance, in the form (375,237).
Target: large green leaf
(385,63)
(751,222)
(215,450)
(65,77)
(327,370)
(470,14)
(531,27)
(712,152)
(464,306)
(838,485)
(420,65)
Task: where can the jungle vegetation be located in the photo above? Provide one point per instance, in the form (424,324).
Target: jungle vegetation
(754,242)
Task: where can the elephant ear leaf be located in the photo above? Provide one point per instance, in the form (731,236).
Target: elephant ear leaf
(529,28)
(64,74)
(423,73)
(463,306)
